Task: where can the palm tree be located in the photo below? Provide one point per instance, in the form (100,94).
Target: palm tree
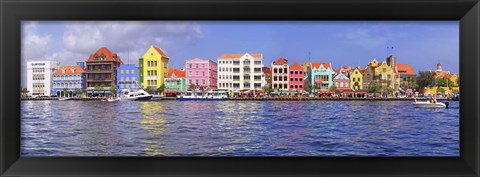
(24,92)
(77,91)
(98,88)
(161,89)
(192,87)
(113,89)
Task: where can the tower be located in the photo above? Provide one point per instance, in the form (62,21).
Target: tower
(439,67)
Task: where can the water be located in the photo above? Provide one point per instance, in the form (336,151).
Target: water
(237,128)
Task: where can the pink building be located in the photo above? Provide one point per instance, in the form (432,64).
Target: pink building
(296,77)
(201,72)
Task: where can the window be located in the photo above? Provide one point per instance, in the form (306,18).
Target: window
(285,78)
(291,86)
(196,65)
(203,73)
(121,71)
(291,79)
(203,81)
(189,65)
(128,71)
(121,78)
(301,79)
(291,72)
(384,70)
(189,73)
(196,73)
(203,65)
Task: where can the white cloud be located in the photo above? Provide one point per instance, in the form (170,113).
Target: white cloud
(371,38)
(35,46)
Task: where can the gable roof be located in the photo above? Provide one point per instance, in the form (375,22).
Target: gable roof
(68,70)
(177,72)
(407,68)
(109,56)
(317,65)
(160,51)
(296,66)
(339,75)
(266,70)
(281,61)
(237,55)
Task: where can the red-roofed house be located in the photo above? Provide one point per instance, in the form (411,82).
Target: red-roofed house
(69,77)
(280,74)
(407,75)
(296,77)
(175,82)
(101,71)
(322,76)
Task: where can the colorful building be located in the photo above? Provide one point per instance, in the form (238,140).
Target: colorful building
(280,74)
(201,72)
(296,77)
(154,67)
(101,71)
(69,77)
(240,72)
(322,74)
(341,82)
(175,82)
(356,79)
(407,75)
(127,78)
(39,77)
(369,75)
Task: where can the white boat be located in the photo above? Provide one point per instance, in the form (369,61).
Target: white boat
(112,99)
(63,98)
(197,95)
(127,95)
(428,104)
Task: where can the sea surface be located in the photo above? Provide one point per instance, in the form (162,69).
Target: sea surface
(237,128)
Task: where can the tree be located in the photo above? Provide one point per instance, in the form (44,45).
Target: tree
(24,92)
(150,90)
(113,89)
(387,90)
(331,88)
(373,87)
(307,86)
(192,87)
(161,89)
(441,90)
(267,88)
(65,92)
(77,91)
(425,79)
(98,88)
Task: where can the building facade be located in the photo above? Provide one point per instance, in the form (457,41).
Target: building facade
(341,82)
(369,75)
(280,74)
(407,76)
(39,77)
(240,72)
(356,79)
(296,77)
(322,76)
(175,82)
(127,78)
(155,67)
(201,73)
(101,71)
(70,78)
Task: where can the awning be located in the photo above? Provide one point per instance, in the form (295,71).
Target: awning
(361,91)
(318,82)
(172,91)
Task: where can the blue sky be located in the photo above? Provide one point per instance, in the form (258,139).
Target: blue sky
(420,44)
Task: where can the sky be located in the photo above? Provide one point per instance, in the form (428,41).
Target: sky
(422,44)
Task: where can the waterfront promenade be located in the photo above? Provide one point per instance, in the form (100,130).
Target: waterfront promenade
(267,98)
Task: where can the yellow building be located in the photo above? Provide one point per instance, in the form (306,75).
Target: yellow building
(356,79)
(155,67)
(387,76)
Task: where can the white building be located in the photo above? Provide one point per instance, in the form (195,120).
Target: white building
(240,72)
(39,77)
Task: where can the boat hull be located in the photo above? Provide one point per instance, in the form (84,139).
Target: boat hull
(205,99)
(428,105)
(143,98)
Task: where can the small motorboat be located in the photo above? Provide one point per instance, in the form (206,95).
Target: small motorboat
(126,95)
(429,104)
(112,99)
(197,95)
(63,98)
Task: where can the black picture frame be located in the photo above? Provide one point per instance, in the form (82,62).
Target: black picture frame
(14,11)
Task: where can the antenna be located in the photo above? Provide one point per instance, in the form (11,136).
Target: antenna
(387,50)
(128,58)
(392,51)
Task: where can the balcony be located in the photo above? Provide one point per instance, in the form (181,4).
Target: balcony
(99,71)
(99,80)
(151,77)
(236,71)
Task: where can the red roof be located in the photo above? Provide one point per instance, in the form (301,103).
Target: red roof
(161,52)
(68,70)
(177,72)
(317,65)
(281,61)
(296,66)
(266,70)
(109,56)
(407,68)
(240,55)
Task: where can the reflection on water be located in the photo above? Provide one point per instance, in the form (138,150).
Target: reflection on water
(237,128)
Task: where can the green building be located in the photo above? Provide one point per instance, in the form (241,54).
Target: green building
(175,82)
(140,73)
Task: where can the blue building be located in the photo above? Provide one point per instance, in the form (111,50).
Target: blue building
(322,76)
(70,78)
(127,77)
